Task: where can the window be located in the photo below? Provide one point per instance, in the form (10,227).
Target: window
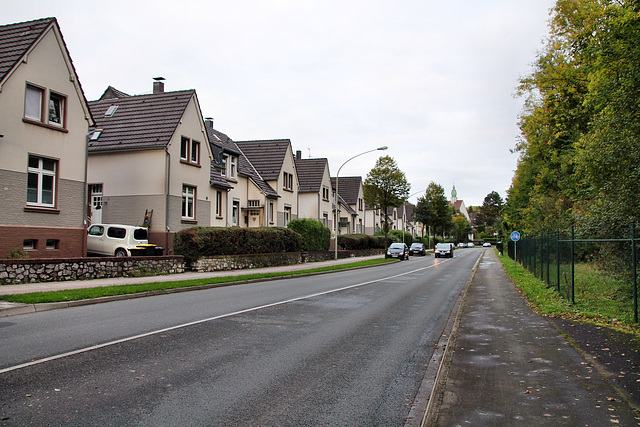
(116,232)
(270,212)
(224,165)
(360,204)
(56,109)
(287,179)
(41,181)
(188,202)
(33,103)
(233,167)
(52,244)
(287,215)
(189,151)
(254,203)
(325,193)
(29,244)
(235,212)
(219,204)
(195,152)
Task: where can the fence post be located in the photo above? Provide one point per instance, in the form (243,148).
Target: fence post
(573,267)
(548,258)
(558,260)
(635,275)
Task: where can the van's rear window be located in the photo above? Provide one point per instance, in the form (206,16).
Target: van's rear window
(140,234)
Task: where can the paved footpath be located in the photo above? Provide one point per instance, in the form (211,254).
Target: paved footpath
(512,367)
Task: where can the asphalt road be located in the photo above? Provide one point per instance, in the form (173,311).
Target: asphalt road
(347,348)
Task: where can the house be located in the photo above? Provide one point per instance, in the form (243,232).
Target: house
(372,220)
(315,198)
(251,198)
(43,132)
(150,163)
(351,190)
(273,160)
(459,205)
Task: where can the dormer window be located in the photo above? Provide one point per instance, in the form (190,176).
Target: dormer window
(229,166)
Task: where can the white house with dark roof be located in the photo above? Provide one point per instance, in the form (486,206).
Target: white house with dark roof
(44,120)
(274,162)
(314,194)
(151,154)
(351,190)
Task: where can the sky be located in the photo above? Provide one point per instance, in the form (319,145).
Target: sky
(433,81)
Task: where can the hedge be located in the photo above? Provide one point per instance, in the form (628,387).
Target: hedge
(361,241)
(195,242)
(315,236)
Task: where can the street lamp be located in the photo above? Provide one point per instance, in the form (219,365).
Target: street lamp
(404,214)
(337,198)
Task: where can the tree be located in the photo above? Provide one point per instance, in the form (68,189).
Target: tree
(433,209)
(491,210)
(386,186)
(461,227)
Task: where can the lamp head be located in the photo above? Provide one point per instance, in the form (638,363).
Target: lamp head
(382,148)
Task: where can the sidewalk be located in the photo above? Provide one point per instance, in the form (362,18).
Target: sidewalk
(510,366)
(10,309)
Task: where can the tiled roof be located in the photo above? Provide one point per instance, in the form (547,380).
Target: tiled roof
(139,122)
(112,93)
(349,188)
(310,173)
(226,144)
(266,156)
(17,39)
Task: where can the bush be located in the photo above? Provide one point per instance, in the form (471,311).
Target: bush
(195,242)
(17,254)
(315,236)
(361,241)
(396,235)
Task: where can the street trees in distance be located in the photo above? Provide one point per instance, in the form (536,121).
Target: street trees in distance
(386,186)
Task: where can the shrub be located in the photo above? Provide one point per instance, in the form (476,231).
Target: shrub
(195,242)
(315,236)
(396,235)
(17,254)
(361,241)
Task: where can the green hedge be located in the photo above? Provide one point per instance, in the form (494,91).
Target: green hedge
(315,236)
(195,242)
(361,241)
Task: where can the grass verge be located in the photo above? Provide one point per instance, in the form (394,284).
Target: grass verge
(593,303)
(107,291)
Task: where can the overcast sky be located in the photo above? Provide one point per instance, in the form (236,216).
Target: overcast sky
(432,80)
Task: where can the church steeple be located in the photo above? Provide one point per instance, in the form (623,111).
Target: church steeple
(454,195)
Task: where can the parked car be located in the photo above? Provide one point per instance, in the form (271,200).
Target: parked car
(462,245)
(417,249)
(470,245)
(398,250)
(115,239)
(444,250)
(486,245)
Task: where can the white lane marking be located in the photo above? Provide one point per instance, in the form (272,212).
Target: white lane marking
(196,322)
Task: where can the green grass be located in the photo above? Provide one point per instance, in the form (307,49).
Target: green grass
(598,296)
(107,291)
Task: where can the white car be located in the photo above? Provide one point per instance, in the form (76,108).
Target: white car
(470,245)
(115,239)
(486,245)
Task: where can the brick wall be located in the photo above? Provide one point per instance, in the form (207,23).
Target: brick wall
(65,242)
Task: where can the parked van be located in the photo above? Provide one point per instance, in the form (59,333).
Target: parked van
(115,239)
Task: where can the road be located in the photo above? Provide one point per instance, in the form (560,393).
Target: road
(347,348)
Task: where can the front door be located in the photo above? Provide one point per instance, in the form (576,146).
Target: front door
(95,204)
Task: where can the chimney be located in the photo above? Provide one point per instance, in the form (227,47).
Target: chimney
(208,122)
(299,155)
(158,85)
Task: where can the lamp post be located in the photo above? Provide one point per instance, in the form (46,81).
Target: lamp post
(404,214)
(337,198)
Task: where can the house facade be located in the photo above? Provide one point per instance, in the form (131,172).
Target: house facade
(150,163)
(43,130)
(314,194)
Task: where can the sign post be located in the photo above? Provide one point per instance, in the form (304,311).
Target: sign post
(515,236)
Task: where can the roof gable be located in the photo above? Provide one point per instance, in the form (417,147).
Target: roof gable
(16,40)
(266,156)
(310,174)
(139,122)
(349,188)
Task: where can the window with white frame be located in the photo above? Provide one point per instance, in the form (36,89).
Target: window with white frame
(38,100)
(325,193)
(188,202)
(270,211)
(233,167)
(41,181)
(224,164)
(189,151)
(195,152)
(287,179)
(287,215)
(235,213)
(219,204)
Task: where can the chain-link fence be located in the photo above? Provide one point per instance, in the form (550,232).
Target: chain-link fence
(582,265)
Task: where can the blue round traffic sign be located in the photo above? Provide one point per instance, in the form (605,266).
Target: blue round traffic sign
(515,236)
